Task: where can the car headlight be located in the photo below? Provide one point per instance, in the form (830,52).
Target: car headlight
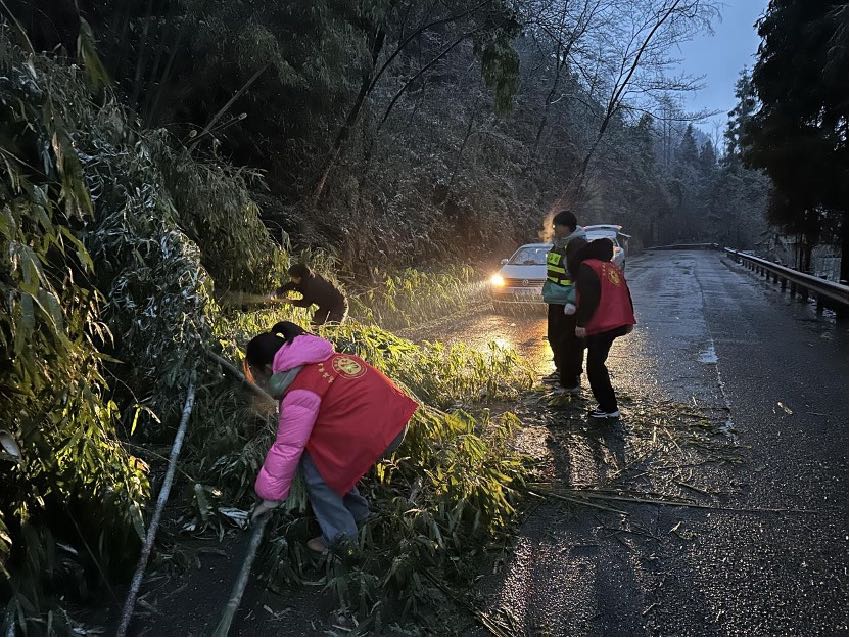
(497,280)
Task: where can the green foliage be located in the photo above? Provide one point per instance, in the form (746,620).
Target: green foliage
(500,70)
(446,495)
(54,399)
(412,297)
(217,212)
(101,278)
(798,133)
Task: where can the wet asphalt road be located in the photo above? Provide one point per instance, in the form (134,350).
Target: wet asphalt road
(733,396)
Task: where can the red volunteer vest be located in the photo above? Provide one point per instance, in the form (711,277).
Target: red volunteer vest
(615,309)
(362,411)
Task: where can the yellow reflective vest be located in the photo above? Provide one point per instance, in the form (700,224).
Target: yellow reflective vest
(556,266)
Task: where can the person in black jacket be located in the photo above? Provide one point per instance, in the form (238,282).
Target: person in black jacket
(315,290)
(604,312)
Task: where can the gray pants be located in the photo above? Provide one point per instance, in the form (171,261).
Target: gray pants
(338,515)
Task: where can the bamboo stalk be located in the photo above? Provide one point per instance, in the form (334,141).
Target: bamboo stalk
(164,492)
(9,619)
(655,501)
(227,105)
(482,618)
(233,371)
(578,501)
(259,527)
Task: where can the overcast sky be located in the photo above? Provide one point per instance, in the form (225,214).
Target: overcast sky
(721,56)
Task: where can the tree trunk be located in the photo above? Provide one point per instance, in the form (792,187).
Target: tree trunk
(459,157)
(351,118)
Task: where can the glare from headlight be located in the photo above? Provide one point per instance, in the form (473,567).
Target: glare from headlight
(497,280)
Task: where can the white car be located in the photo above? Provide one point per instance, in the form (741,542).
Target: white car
(521,278)
(612,232)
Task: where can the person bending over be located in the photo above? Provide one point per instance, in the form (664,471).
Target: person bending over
(338,417)
(315,290)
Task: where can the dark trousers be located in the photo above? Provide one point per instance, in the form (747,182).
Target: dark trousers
(567,349)
(336,314)
(598,347)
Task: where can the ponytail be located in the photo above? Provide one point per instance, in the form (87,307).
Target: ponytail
(262,349)
(287,330)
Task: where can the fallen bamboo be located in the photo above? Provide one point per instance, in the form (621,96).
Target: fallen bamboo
(578,501)
(9,630)
(235,373)
(164,492)
(655,501)
(485,621)
(259,527)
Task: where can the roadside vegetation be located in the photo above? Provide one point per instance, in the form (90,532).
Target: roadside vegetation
(115,241)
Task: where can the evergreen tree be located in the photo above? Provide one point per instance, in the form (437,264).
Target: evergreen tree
(739,116)
(707,157)
(798,135)
(688,153)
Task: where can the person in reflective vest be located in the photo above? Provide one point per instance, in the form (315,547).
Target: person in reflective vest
(604,312)
(559,293)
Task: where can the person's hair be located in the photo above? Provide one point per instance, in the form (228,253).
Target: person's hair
(262,348)
(565,218)
(601,249)
(300,270)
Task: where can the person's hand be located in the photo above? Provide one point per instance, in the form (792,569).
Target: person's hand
(262,507)
(581,333)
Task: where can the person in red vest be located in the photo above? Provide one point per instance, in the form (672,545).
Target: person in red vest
(604,312)
(338,417)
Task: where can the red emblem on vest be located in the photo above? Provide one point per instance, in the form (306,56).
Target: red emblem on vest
(348,367)
(613,274)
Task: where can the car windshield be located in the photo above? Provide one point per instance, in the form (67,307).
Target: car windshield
(530,256)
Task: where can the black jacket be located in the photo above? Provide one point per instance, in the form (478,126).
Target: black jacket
(315,290)
(587,282)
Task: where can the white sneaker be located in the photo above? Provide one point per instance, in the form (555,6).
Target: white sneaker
(598,413)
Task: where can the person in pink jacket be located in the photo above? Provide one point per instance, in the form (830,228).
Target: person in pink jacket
(338,417)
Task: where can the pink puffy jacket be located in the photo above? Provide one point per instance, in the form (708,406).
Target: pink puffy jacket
(339,408)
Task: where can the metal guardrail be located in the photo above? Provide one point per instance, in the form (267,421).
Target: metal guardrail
(704,246)
(826,293)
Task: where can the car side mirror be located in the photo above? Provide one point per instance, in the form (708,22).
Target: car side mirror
(505,262)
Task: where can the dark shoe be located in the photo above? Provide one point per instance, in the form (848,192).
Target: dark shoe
(599,413)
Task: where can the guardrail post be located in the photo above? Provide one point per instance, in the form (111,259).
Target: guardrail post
(784,284)
(819,306)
